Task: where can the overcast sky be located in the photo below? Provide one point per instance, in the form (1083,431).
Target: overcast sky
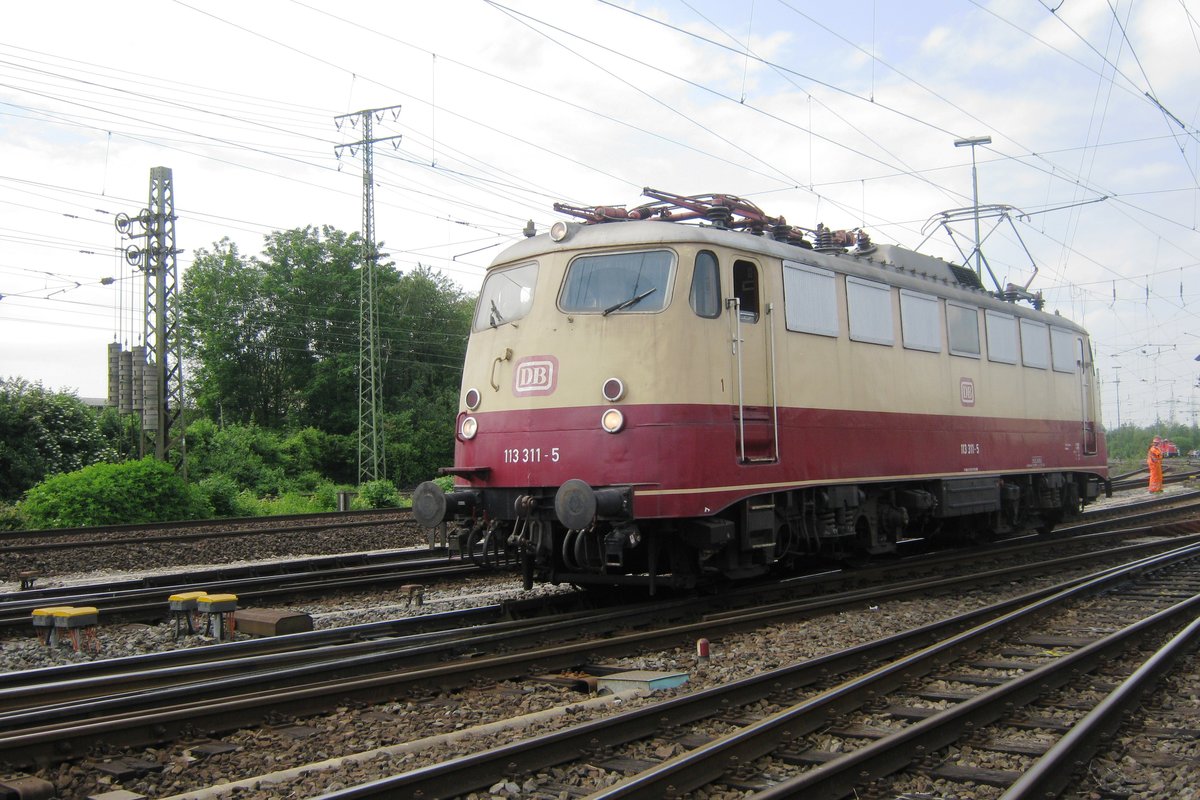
(841,113)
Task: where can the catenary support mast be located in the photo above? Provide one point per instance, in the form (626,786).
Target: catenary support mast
(161,387)
(371,461)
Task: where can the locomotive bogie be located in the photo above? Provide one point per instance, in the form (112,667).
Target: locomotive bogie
(664,403)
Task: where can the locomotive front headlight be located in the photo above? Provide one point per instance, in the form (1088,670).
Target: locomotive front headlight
(469,428)
(560,230)
(612,420)
(472,399)
(613,390)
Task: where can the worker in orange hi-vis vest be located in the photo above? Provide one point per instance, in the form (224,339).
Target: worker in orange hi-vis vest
(1154,457)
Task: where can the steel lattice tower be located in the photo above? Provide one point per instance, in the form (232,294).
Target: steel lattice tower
(371,461)
(162,385)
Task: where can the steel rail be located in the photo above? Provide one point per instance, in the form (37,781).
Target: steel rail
(73,682)
(250,525)
(1170,477)
(704,764)
(837,777)
(172,538)
(151,602)
(41,704)
(278,566)
(69,738)
(36,687)
(16,606)
(1053,771)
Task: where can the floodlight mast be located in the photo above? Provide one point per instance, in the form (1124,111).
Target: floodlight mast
(972,142)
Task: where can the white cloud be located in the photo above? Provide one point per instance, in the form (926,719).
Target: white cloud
(242,109)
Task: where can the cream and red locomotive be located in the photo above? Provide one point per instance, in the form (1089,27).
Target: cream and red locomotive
(691,389)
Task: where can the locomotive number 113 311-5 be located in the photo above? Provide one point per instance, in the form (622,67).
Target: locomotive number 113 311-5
(530,455)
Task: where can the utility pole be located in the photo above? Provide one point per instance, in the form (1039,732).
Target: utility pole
(977,140)
(1117,381)
(371,462)
(161,387)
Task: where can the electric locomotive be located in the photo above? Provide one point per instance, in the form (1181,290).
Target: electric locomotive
(692,389)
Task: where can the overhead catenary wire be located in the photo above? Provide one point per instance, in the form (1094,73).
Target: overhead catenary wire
(439,198)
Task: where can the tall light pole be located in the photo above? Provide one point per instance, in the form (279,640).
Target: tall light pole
(971,143)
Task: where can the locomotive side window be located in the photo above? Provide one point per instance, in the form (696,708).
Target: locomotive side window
(809,299)
(870,311)
(962,329)
(1001,337)
(1035,344)
(1062,349)
(745,288)
(919,321)
(612,283)
(506,296)
(705,296)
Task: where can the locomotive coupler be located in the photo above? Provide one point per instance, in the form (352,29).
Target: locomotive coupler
(431,506)
(577,505)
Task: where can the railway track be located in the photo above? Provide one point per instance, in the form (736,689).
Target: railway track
(142,598)
(64,713)
(1026,655)
(1174,474)
(202,692)
(145,598)
(50,539)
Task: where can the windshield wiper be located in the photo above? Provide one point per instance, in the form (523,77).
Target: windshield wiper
(496,318)
(637,298)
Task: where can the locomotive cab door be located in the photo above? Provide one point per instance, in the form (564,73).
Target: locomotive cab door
(1087,391)
(755,414)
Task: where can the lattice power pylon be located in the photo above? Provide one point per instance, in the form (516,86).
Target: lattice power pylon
(162,381)
(371,461)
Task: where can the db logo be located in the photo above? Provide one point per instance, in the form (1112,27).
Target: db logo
(535,375)
(966,391)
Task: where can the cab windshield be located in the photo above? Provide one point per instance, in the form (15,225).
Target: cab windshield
(506,296)
(618,283)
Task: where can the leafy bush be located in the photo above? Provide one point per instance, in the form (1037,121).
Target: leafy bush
(292,503)
(11,518)
(248,504)
(113,494)
(378,494)
(326,495)
(222,494)
(251,456)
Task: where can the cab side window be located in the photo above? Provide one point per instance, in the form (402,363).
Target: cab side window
(745,288)
(705,295)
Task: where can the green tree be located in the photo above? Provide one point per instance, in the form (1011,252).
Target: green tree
(427,319)
(311,278)
(233,371)
(275,342)
(44,433)
(1129,443)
